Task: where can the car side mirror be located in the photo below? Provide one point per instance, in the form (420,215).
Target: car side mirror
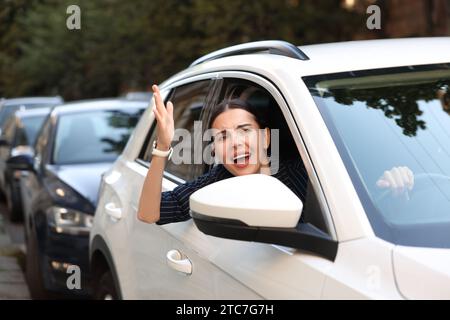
(256,200)
(23,161)
(246,204)
(258,208)
(4,142)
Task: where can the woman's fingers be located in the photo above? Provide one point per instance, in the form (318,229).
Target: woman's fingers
(170,109)
(157,115)
(158,100)
(157,96)
(164,118)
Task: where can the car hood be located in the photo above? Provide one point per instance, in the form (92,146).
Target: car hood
(422,273)
(83,178)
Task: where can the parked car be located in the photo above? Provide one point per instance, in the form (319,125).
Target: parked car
(18,137)
(353,110)
(138,95)
(9,106)
(77,143)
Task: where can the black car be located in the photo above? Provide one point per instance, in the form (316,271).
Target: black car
(76,144)
(9,106)
(18,135)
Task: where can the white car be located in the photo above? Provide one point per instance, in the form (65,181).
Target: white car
(351,111)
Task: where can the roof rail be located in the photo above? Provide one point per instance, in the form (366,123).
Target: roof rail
(277,47)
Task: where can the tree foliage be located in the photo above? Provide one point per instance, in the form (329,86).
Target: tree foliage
(128,45)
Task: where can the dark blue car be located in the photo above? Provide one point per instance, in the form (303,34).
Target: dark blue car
(76,144)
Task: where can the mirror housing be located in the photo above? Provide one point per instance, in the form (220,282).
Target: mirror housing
(256,200)
(257,208)
(23,161)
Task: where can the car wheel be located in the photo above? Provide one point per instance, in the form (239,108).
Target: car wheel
(33,272)
(105,289)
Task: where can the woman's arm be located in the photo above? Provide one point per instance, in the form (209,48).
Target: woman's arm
(149,203)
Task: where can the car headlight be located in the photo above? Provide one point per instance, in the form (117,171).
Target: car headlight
(69,221)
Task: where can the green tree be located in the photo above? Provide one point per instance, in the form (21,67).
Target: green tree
(128,45)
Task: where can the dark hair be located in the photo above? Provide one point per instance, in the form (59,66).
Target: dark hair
(260,113)
(266,112)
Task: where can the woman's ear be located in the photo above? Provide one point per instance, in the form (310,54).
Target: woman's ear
(266,138)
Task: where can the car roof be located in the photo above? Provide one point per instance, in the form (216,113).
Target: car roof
(333,57)
(32,100)
(98,104)
(138,96)
(375,54)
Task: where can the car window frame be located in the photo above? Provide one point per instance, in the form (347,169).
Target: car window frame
(48,147)
(297,136)
(293,126)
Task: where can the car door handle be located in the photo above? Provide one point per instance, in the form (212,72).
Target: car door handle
(112,211)
(176,261)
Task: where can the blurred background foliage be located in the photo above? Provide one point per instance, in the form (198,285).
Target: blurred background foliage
(128,45)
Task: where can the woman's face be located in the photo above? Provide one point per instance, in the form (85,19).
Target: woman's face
(239,143)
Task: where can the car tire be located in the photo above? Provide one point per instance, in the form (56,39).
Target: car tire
(33,271)
(105,289)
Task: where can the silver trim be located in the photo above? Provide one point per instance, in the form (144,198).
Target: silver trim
(170,84)
(277,47)
(166,174)
(170,176)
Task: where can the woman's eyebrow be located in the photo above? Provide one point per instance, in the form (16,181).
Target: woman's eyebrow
(238,127)
(243,125)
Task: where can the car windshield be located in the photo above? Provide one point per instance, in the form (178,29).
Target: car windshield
(28,130)
(93,136)
(396,117)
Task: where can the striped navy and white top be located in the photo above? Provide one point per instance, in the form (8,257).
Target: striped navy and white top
(175,204)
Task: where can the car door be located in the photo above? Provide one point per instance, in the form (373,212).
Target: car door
(262,270)
(29,180)
(149,275)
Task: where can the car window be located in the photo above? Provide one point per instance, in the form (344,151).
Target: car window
(188,101)
(283,148)
(28,130)
(394,118)
(94,136)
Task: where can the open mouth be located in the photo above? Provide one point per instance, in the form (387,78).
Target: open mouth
(241,160)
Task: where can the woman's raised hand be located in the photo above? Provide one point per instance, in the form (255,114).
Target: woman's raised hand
(164,119)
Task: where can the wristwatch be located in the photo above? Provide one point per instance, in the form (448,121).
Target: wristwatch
(160,153)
